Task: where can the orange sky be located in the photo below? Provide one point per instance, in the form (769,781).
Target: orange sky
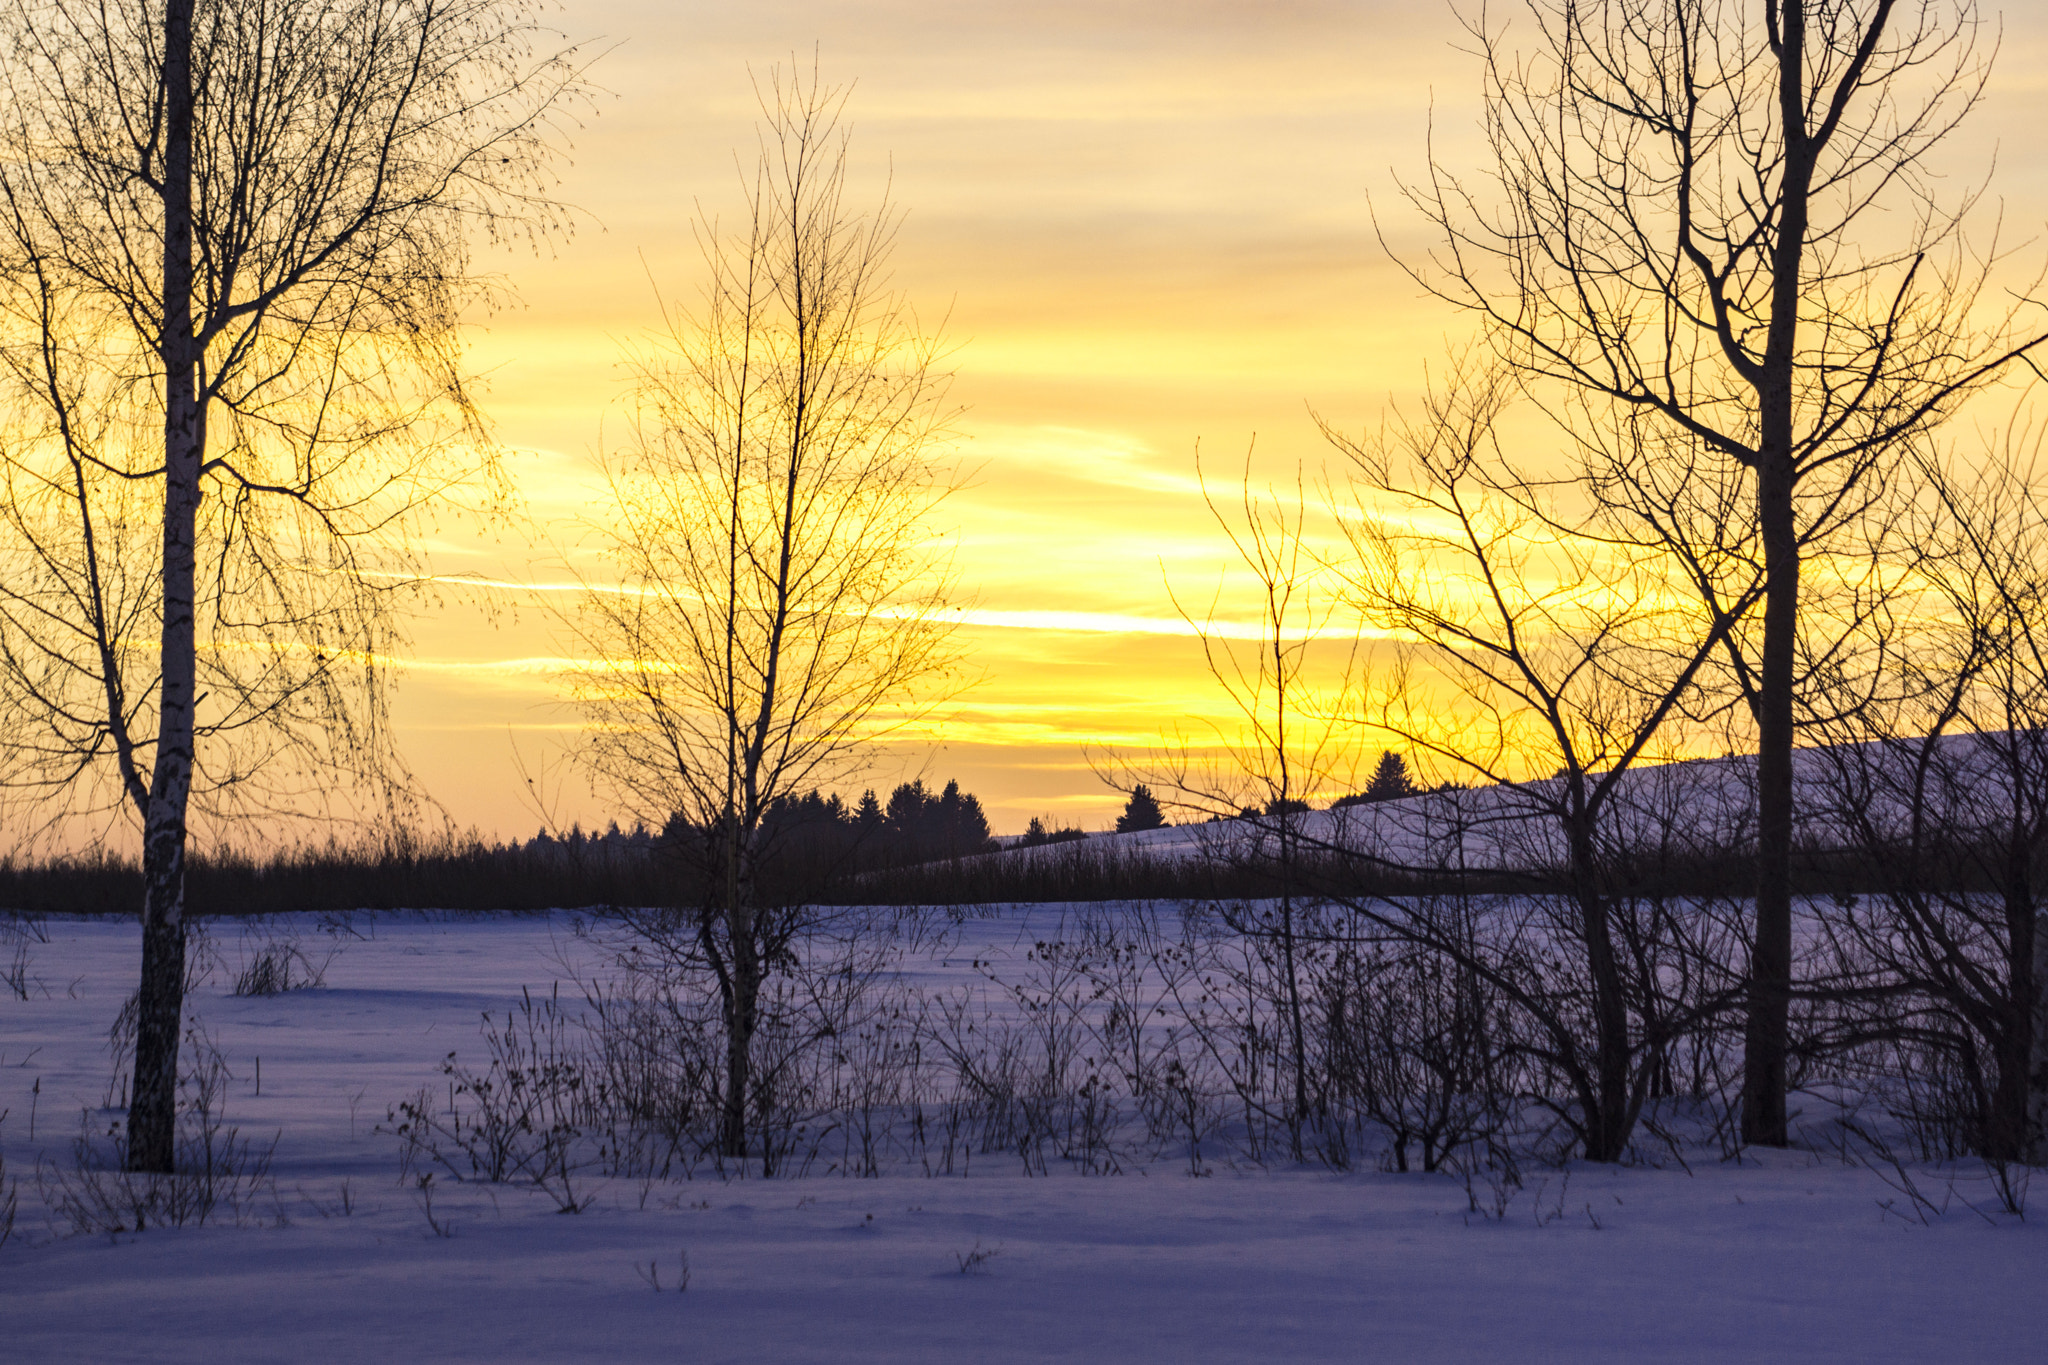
(1150,222)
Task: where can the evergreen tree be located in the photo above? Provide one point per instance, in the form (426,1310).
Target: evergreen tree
(1141,811)
(1038,832)
(958,823)
(972,830)
(947,818)
(906,813)
(1390,779)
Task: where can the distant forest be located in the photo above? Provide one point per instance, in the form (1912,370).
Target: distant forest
(815,847)
(920,847)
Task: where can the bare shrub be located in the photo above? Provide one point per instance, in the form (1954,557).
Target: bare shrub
(519,1118)
(650,1275)
(275,960)
(875,1061)
(18,931)
(423,1196)
(2009,1183)
(1118,1036)
(15,974)
(1491,1176)
(1412,1042)
(652,1058)
(975,1261)
(829,1054)
(219,1175)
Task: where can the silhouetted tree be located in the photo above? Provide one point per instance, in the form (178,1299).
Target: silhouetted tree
(869,816)
(809,839)
(1141,811)
(1037,833)
(920,827)
(1389,780)
(1568,655)
(1938,784)
(772,522)
(1709,240)
(904,817)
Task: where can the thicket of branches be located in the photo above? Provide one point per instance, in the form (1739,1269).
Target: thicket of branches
(1141,1034)
(1599,896)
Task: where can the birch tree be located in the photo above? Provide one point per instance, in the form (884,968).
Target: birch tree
(779,605)
(235,243)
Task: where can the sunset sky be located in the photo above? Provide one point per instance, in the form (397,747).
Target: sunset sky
(1152,226)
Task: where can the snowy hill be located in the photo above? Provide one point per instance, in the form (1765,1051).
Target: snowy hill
(1702,806)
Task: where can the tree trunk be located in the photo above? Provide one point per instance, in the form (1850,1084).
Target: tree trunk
(1765,1038)
(2007,1125)
(739,1031)
(1607,1131)
(743,996)
(1607,1121)
(1765,1041)
(152,1112)
(1298,1043)
(2037,1078)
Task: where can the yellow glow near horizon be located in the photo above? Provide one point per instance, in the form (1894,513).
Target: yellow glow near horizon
(1150,226)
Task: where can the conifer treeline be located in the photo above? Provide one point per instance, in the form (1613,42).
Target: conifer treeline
(819,845)
(915,827)
(822,847)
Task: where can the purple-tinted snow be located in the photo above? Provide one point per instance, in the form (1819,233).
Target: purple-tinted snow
(1789,1260)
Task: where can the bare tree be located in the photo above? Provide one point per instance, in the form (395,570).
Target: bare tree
(1281,748)
(781,591)
(1546,660)
(1936,782)
(1716,226)
(234,246)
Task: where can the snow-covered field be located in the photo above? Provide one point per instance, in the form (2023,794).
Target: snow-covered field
(1788,1258)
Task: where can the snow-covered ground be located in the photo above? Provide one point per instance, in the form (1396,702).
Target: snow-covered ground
(1787,1258)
